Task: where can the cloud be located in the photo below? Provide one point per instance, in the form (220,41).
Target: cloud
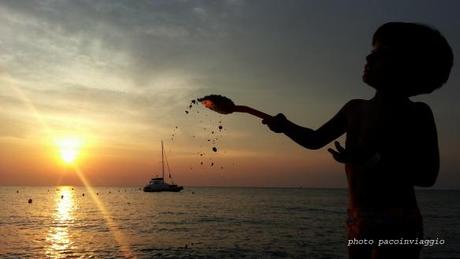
(143,38)
(13,128)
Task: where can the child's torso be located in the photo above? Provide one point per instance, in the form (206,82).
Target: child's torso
(385,129)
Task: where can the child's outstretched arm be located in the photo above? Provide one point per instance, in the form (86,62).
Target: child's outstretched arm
(308,138)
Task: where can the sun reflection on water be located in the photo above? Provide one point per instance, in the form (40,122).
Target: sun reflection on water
(58,235)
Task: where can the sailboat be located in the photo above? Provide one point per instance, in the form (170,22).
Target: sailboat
(158,184)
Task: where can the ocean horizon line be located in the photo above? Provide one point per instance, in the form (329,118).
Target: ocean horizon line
(219,186)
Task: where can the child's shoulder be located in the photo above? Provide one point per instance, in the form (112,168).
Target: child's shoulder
(421,107)
(354,104)
(422,110)
(419,110)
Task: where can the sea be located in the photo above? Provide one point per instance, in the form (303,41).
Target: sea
(199,222)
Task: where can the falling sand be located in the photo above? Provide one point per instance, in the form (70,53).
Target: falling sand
(221,105)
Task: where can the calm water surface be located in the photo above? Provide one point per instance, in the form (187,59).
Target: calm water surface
(196,223)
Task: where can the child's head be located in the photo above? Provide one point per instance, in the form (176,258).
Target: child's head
(408,59)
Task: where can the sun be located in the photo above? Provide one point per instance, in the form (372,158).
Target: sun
(69,148)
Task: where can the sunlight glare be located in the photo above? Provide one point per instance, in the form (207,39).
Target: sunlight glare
(58,239)
(69,148)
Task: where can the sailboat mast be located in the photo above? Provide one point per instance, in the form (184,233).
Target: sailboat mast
(162,161)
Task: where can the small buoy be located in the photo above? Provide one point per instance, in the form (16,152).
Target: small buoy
(29,201)
(97,193)
(62,196)
(193,192)
(17,191)
(83,194)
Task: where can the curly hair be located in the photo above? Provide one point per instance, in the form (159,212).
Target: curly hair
(423,54)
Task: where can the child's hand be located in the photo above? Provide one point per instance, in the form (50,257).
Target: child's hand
(277,123)
(355,156)
(340,155)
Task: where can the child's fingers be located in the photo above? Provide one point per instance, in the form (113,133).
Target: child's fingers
(337,156)
(332,151)
(339,147)
(268,120)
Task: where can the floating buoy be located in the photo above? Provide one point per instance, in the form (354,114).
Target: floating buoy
(62,196)
(83,194)
(29,201)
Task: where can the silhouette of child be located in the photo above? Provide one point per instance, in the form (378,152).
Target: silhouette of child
(391,142)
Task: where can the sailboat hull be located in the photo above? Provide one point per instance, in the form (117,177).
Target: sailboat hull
(163,189)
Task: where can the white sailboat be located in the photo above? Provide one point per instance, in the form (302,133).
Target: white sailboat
(158,184)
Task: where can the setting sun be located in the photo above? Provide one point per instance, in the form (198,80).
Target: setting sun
(69,148)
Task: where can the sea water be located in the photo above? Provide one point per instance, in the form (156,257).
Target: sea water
(199,222)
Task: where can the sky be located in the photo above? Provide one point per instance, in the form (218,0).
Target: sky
(117,76)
